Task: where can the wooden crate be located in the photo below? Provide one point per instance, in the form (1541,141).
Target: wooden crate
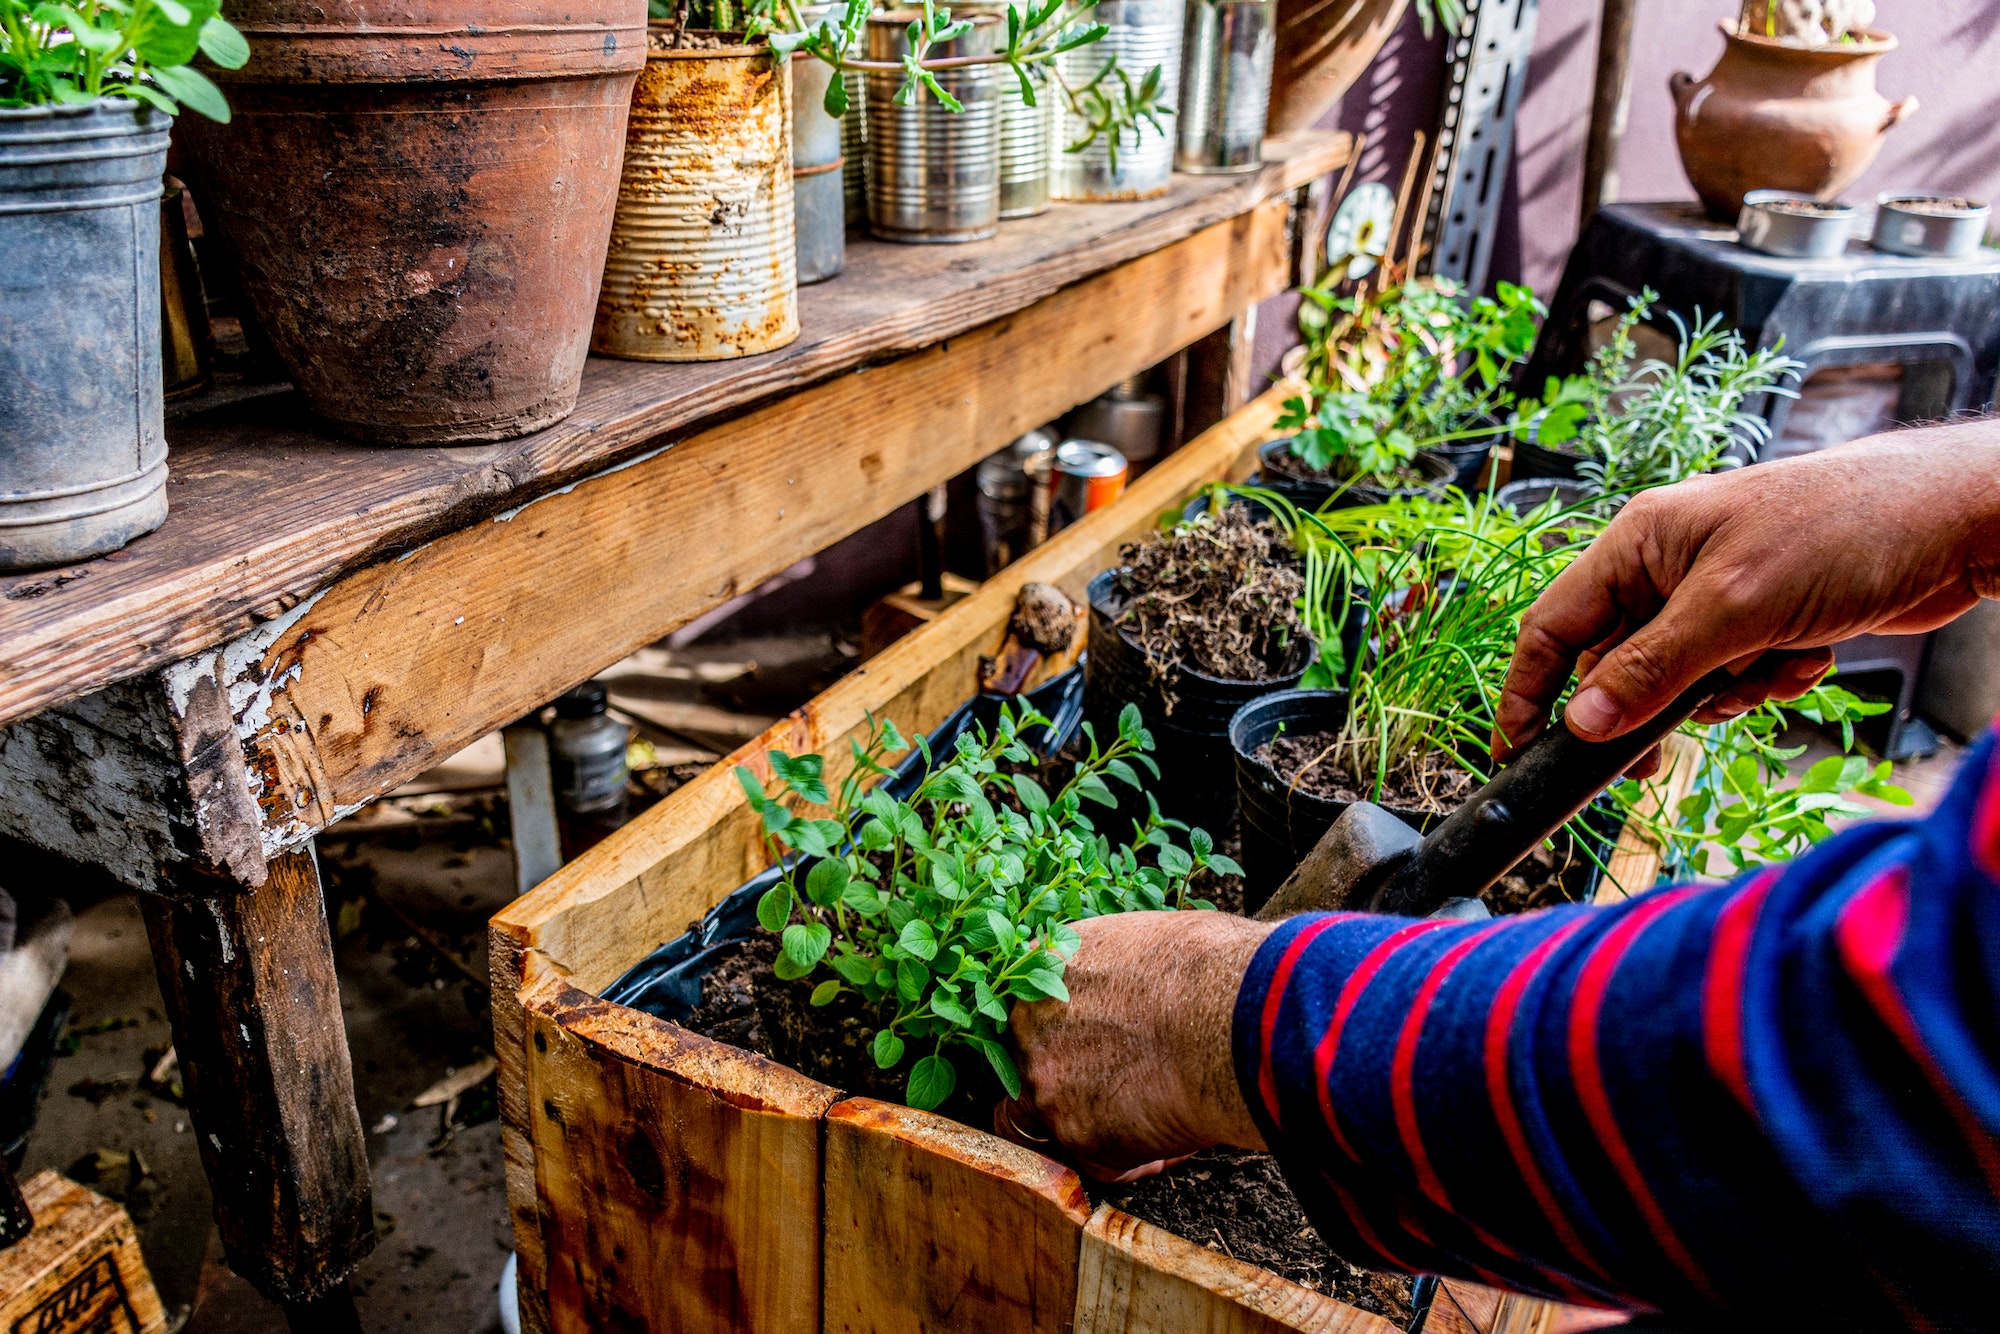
(662,1180)
(79,1271)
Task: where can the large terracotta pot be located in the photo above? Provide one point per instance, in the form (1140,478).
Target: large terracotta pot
(1323,45)
(1773,116)
(419,193)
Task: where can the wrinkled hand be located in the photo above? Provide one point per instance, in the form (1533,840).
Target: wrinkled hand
(1136,1068)
(1760,570)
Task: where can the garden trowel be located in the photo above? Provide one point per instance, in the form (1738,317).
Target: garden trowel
(1370,861)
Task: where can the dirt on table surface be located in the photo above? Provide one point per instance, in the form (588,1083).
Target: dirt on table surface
(1219,593)
(1237,1203)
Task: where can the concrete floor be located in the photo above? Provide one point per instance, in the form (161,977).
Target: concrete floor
(412,1017)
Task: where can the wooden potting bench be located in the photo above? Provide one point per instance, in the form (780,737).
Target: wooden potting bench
(319,621)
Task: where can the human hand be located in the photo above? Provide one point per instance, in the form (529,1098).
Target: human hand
(1136,1068)
(1760,570)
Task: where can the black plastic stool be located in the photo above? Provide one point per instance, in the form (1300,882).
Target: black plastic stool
(1937,318)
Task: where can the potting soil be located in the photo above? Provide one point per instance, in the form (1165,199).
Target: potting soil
(1220,593)
(1289,465)
(1305,760)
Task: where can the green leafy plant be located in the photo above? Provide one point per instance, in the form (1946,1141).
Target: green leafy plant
(67,54)
(1410,367)
(1111,104)
(1743,810)
(1661,422)
(943,909)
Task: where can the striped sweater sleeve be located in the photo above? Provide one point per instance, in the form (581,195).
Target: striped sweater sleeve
(1777,1098)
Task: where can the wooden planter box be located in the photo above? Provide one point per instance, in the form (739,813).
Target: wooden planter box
(663,1181)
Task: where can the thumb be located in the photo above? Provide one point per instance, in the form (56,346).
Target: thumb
(1644,673)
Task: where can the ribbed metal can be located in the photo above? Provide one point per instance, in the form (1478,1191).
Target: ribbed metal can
(1226,54)
(854,148)
(933,174)
(819,207)
(1026,135)
(1142,34)
(703,265)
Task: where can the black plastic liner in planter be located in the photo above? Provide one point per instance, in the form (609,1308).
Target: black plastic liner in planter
(1190,744)
(667,982)
(1437,469)
(1281,825)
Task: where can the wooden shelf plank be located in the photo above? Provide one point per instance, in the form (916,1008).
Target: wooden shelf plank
(267,509)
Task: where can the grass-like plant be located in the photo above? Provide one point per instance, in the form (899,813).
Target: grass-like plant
(1415,365)
(73,54)
(943,909)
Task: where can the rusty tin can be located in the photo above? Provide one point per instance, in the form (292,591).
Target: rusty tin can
(933,174)
(1086,477)
(703,265)
(1142,34)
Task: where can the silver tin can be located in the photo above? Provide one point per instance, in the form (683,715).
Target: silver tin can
(1026,134)
(1088,475)
(1793,226)
(819,207)
(703,263)
(1142,34)
(854,148)
(1007,482)
(1129,419)
(1226,52)
(934,175)
(1940,226)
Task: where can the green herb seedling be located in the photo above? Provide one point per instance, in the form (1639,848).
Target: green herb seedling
(73,54)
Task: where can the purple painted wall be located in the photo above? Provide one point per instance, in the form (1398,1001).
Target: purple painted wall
(1949,52)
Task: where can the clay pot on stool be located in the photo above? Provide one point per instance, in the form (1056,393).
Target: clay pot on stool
(419,194)
(1775,116)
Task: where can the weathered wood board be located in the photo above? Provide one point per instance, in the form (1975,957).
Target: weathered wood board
(79,1271)
(267,508)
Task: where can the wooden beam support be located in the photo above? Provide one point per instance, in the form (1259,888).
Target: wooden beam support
(249,985)
(395,667)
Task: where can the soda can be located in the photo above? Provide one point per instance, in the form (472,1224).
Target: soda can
(1087,476)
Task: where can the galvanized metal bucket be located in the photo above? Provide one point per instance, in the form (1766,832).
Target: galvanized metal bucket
(83,445)
(1226,54)
(1142,34)
(703,263)
(934,175)
(819,207)
(1027,134)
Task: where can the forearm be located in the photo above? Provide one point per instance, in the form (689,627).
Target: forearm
(1743,1097)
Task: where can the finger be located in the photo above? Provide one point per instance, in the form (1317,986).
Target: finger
(1781,674)
(1646,765)
(1691,637)
(1583,614)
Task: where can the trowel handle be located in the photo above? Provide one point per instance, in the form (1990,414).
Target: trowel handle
(1554,778)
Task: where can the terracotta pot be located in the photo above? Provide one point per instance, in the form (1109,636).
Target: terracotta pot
(1773,116)
(704,262)
(1323,45)
(419,193)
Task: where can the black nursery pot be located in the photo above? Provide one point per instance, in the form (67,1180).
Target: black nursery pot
(1534,459)
(1467,459)
(1522,498)
(1191,744)
(1439,472)
(1281,825)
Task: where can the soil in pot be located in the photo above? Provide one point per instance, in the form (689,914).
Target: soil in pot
(1286,473)
(1219,596)
(1237,1202)
(1431,784)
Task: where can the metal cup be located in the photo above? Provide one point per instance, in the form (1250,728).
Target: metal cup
(1227,49)
(934,174)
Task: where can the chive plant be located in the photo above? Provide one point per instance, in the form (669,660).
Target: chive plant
(943,909)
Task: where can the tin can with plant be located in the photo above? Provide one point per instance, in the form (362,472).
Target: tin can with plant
(87,95)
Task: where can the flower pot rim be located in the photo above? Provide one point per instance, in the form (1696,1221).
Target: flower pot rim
(1877,43)
(755,46)
(106,103)
(904,16)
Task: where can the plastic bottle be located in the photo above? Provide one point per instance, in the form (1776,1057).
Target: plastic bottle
(587,764)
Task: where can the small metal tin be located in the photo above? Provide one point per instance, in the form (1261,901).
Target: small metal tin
(1226,53)
(854,148)
(1928,225)
(1142,34)
(1008,483)
(933,174)
(1026,134)
(1087,476)
(1128,419)
(1793,226)
(819,207)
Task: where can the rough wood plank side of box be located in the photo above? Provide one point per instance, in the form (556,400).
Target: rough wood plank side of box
(79,1271)
(679,1177)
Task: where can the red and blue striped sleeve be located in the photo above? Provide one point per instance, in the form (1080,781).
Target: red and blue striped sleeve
(1777,1098)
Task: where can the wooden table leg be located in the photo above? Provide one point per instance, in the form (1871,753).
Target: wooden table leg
(249,983)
